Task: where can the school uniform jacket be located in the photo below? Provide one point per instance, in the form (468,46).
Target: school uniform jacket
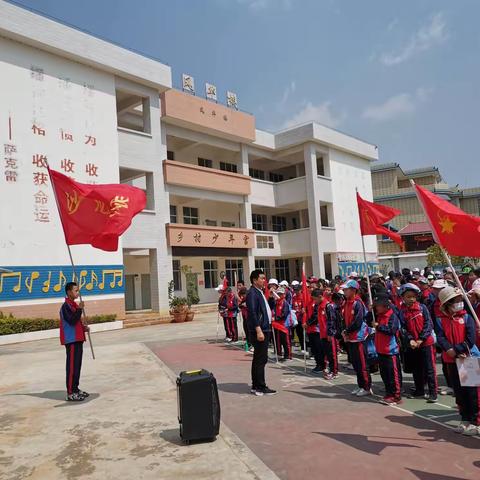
(457,332)
(386,333)
(354,312)
(417,323)
(280,314)
(71,327)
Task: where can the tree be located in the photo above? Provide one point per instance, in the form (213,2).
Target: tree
(435,257)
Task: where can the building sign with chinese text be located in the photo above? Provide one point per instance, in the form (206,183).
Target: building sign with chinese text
(232,100)
(59,112)
(188,83)
(211,92)
(200,236)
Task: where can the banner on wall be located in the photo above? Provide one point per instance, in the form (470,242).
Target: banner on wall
(40,282)
(346,268)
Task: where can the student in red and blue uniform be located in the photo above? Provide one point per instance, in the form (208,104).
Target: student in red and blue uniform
(355,334)
(417,327)
(229,310)
(298,307)
(312,327)
(474,296)
(282,332)
(72,335)
(456,337)
(386,326)
(328,335)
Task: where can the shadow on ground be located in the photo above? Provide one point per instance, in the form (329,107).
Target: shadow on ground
(234,387)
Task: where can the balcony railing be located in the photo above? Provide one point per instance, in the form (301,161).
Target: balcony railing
(193,176)
(182,235)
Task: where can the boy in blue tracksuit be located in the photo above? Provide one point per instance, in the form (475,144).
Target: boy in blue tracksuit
(387,325)
(72,335)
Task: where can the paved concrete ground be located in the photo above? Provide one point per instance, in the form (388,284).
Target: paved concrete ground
(128,429)
(317,426)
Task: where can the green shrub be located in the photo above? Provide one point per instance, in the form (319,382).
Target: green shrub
(10,324)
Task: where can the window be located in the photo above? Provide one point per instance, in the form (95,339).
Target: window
(228,224)
(205,162)
(190,215)
(320,166)
(173,214)
(254,173)
(324,216)
(265,241)
(282,271)
(177,275)
(294,223)
(259,222)
(228,167)
(211,223)
(234,268)
(170,155)
(265,266)
(210,273)
(276,177)
(279,224)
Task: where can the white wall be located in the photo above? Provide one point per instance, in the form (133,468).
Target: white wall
(59,94)
(348,172)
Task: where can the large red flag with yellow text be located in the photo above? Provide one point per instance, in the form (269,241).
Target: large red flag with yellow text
(373,216)
(95,214)
(456,231)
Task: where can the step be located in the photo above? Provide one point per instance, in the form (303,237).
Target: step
(145,323)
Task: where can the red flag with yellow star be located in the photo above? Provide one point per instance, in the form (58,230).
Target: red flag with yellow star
(456,231)
(95,214)
(373,216)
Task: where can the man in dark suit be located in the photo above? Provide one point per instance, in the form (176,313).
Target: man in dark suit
(259,321)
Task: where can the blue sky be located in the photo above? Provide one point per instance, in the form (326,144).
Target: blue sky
(402,75)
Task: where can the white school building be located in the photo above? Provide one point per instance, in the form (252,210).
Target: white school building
(223,196)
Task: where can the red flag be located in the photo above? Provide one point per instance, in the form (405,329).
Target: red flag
(453,229)
(225,283)
(95,214)
(373,216)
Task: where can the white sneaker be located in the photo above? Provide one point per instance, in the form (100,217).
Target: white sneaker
(471,431)
(461,427)
(364,393)
(356,390)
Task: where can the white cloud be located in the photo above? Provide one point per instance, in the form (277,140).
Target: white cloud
(321,113)
(397,106)
(287,93)
(258,5)
(428,36)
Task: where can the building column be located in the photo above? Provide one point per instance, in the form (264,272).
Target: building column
(160,257)
(246,208)
(310,158)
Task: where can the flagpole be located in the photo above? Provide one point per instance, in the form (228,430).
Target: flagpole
(304,329)
(71,260)
(449,261)
(366,268)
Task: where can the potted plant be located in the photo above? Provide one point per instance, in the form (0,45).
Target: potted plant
(192,291)
(178,305)
(192,299)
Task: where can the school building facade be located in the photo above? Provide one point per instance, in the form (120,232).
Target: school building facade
(391,187)
(223,197)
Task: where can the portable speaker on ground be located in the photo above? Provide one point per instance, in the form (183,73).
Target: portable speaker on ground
(198,406)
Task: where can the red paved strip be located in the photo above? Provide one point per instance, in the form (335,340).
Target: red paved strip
(313,430)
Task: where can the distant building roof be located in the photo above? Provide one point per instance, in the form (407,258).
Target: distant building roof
(414,228)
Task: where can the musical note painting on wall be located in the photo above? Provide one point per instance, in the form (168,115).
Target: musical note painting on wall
(25,283)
